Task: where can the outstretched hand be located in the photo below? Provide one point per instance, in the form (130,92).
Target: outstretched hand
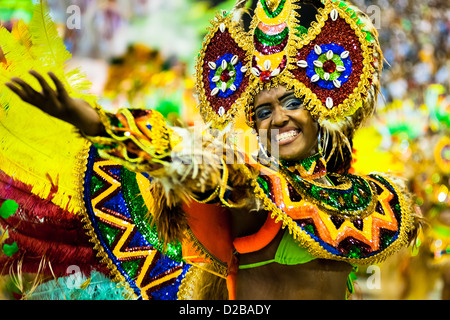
(58,103)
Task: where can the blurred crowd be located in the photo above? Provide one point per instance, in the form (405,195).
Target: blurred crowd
(415,38)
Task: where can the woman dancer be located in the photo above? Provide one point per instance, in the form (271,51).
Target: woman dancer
(293,222)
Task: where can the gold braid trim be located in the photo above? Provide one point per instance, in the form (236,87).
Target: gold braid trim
(407,225)
(220,267)
(200,284)
(158,148)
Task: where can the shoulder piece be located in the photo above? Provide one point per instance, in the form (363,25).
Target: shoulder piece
(117,221)
(361,219)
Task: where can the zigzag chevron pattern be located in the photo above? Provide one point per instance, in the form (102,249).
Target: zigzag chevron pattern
(152,271)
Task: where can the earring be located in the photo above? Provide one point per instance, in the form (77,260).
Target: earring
(319,141)
(320,147)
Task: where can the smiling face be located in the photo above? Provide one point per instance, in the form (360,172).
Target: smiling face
(294,132)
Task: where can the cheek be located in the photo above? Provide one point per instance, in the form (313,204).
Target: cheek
(311,129)
(308,124)
(262,128)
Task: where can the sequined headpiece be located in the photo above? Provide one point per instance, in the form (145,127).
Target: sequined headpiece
(332,65)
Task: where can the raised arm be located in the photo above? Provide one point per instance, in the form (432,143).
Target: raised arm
(140,140)
(58,103)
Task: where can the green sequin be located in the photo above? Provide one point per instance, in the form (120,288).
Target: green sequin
(305,163)
(264,185)
(139,213)
(96,184)
(354,252)
(10,249)
(309,228)
(131,267)
(8,208)
(333,197)
(277,11)
(386,240)
(302,31)
(108,233)
(336,74)
(271,40)
(101,146)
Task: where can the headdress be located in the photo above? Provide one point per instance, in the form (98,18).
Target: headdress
(333,63)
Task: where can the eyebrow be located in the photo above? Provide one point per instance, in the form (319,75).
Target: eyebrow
(284,96)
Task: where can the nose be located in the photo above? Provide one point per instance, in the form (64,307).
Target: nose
(279,117)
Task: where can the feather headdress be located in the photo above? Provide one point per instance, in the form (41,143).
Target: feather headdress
(330,59)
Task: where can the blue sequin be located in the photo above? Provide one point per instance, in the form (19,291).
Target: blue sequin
(337,49)
(118,205)
(237,81)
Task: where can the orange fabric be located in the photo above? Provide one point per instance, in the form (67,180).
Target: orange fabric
(191,254)
(259,240)
(231,279)
(210,224)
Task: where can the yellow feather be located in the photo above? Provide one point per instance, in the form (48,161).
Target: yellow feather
(35,148)
(47,45)
(22,33)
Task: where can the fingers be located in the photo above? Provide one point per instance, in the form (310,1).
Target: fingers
(18,87)
(59,87)
(29,91)
(16,90)
(45,87)
(49,93)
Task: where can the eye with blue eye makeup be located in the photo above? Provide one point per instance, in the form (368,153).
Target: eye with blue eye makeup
(288,102)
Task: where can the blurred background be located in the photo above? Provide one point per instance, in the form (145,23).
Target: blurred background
(141,53)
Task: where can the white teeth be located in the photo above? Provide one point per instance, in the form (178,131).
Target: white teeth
(215,91)
(223,86)
(315,78)
(337,83)
(329,103)
(275,72)
(287,135)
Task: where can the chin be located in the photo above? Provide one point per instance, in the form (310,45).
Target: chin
(290,155)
